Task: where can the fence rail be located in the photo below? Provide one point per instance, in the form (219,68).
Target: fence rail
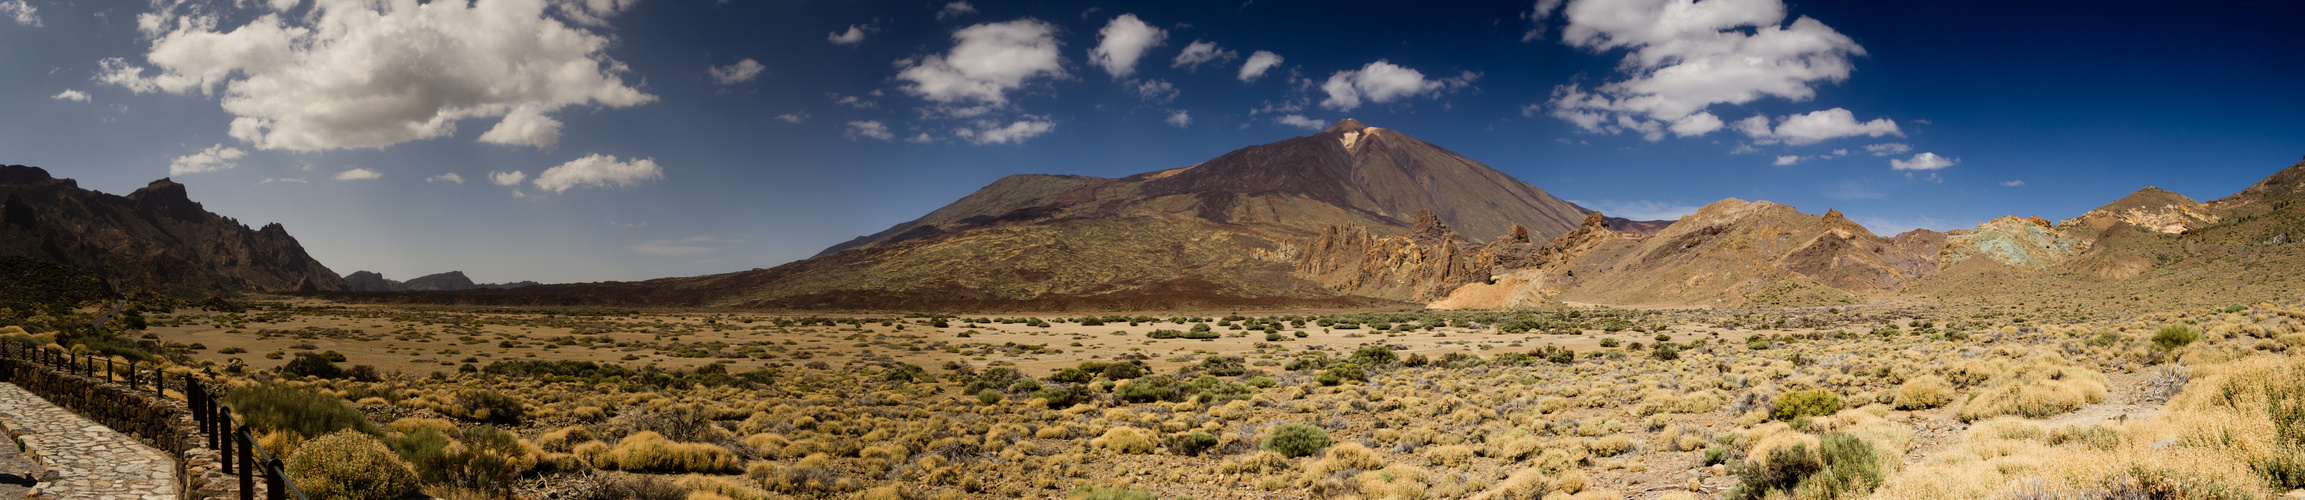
(240,454)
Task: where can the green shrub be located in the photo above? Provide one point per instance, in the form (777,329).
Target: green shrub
(1065,397)
(1665,352)
(1069,376)
(1296,440)
(1148,389)
(1123,371)
(1342,372)
(906,373)
(1609,343)
(1757,344)
(2175,336)
(1563,356)
(308,414)
(1274,337)
(1375,356)
(1190,444)
(1807,403)
(426,449)
(350,465)
(988,396)
(1842,467)
(1262,382)
(489,406)
(312,365)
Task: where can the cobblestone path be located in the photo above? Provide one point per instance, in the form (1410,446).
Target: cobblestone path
(90,461)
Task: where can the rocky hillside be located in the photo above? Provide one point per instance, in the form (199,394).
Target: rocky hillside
(369,281)
(156,238)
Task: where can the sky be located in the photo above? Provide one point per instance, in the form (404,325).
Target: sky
(590,140)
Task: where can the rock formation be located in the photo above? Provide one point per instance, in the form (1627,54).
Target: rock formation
(156,238)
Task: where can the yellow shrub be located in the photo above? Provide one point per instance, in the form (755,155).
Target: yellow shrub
(1448,456)
(1927,391)
(1610,446)
(1126,440)
(1259,462)
(1571,482)
(558,441)
(651,452)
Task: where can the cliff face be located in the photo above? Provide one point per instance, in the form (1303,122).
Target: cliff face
(1422,265)
(156,237)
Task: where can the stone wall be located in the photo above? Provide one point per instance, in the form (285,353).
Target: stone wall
(155,419)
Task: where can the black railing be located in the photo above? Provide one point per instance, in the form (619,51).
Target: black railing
(237,448)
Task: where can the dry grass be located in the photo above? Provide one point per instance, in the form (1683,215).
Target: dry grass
(651,452)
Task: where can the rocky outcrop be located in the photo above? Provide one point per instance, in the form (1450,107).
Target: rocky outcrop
(370,281)
(2029,243)
(155,237)
(1422,265)
(2152,209)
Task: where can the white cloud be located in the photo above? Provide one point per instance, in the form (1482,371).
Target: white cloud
(512,178)
(1537,15)
(1839,152)
(358,174)
(1923,161)
(986,62)
(1122,42)
(677,248)
(1695,125)
(1180,118)
(858,102)
(1814,127)
(1687,56)
(269,180)
(1788,160)
(525,126)
(447,177)
(1301,121)
(1014,133)
(854,36)
(70,95)
(1744,149)
(954,9)
(1641,210)
(361,74)
(2013,183)
(742,71)
(1155,91)
(1258,64)
(923,138)
(1200,52)
(793,117)
(214,158)
(1893,148)
(1381,82)
(24,13)
(598,171)
(869,128)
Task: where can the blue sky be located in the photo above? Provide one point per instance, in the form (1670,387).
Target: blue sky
(630,139)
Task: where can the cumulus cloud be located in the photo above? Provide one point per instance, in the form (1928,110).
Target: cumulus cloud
(2013,183)
(1923,161)
(858,102)
(1815,126)
(1687,56)
(1301,121)
(1381,82)
(1154,91)
(512,178)
(793,117)
(357,174)
(1788,160)
(987,61)
(1014,133)
(1537,15)
(269,180)
(1258,64)
(24,13)
(70,95)
(359,74)
(954,9)
(742,71)
(1200,52)
(1180,118)
(1122,42)
(854,36)
(869,128)
(598,171)
(447,177)
(1886,149)
(214,158)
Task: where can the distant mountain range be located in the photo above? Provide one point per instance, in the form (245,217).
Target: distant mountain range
(367,281)
(156,238)
(1353,216)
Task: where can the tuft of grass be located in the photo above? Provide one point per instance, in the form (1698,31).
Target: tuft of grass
(2174,336)
(1807,403)
(351,465)
(1296,440)
(307,413)
(648,451)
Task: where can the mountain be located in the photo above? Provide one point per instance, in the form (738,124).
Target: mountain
(368,281)
(1227,232)
(156,238)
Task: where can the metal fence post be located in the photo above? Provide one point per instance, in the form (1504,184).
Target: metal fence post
(275,481)
(247,463)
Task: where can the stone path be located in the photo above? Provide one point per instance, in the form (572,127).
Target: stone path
(90,461)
